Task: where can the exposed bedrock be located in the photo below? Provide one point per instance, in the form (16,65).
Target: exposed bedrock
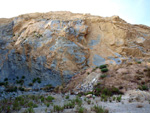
(57,45)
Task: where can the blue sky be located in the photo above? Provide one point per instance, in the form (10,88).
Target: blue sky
(136,11)
(132,11)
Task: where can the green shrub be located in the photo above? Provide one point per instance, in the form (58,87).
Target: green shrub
(89,101)
(114,98)
(30,84)
(119,98)
(139,62)
(39,81)
(106,91)
(31,104)
(85,99)
(20,82)
(29,110)
(103,76)
(47,104)
(49,85)
(8,109)
(104,70)
(143,87)
(80,94)
(57,108)
(73,101)
(21,89)
(69,105)
(99,89)
(50,98)
(94,69)
(16,105)
(81,110)
(104,97)
(67,97)
(78,101)
(19,98)
(11,89)
(2,83)
(6,84)
(90,92)
(102,66)
(42,99)
(22,102)
(6,79)
(34,80)
(23,77)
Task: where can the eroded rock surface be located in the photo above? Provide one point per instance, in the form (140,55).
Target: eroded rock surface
(57,45)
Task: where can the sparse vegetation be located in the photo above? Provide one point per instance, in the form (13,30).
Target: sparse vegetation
(105,92)
(99,109)
(24,101)
(99,89)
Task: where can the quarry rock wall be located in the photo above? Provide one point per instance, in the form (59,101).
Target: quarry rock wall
(57,45)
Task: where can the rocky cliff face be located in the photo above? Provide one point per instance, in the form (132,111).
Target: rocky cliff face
(57,45)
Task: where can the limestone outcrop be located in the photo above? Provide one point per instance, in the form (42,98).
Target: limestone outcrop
(57,45)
